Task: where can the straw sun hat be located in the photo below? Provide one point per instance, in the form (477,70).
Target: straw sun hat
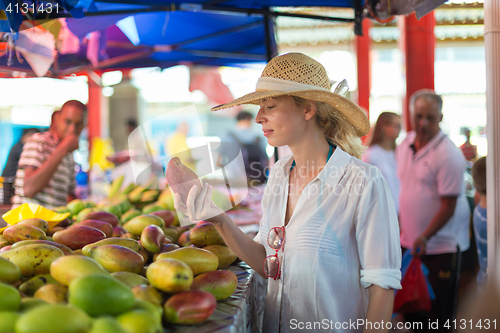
(295,74)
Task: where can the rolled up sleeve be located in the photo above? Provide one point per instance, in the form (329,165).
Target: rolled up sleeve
(377,234)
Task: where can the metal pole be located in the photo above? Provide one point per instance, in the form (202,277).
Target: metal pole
(492,49)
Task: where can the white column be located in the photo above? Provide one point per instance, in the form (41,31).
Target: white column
(492,51)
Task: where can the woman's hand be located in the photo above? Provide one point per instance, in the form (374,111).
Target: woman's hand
(198,207)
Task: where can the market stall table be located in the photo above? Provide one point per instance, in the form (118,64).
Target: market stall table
(243,312)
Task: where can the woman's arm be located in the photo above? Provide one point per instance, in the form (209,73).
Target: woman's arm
(380,304)
(242,245)
(200,207)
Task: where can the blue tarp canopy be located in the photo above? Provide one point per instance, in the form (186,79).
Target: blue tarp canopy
(138,33)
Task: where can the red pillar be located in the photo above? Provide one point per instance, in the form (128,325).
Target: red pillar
(94,111)
(417,47)
(364,69)
(364,66)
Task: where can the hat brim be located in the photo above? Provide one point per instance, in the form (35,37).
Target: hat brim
(346,109)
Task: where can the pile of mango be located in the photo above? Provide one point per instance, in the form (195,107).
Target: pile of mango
(112,267)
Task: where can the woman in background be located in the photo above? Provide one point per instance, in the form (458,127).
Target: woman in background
(381,150)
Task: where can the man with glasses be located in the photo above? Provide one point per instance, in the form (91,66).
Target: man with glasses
(46,174)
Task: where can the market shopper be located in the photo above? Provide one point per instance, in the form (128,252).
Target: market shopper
(434,212)
(15,153)
(381,150)
(46,174)
(329,237)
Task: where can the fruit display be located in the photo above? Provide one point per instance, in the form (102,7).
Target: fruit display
(121,265)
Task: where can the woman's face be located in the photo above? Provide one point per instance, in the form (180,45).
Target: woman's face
(393,128)
(281,119)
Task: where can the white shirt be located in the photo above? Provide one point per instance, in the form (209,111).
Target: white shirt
(343,237)
(386,162)
(435,171)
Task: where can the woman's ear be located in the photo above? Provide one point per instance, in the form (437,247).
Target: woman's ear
(310,109)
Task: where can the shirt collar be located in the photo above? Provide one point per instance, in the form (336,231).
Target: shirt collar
(435,141)
(331,173)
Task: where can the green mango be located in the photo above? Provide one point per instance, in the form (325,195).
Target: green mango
(54,318)
(100,295)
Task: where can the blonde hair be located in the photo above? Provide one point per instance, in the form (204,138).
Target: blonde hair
(383,120)
(336,130)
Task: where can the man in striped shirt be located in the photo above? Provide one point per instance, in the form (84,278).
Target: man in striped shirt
(46,172)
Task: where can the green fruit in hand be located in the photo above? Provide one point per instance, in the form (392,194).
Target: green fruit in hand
(55,318)
(10,299)
(100,295)
(8,321)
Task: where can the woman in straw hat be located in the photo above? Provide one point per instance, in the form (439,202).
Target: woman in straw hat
(329,238)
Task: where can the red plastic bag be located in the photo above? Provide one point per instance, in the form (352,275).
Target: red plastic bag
(414,295)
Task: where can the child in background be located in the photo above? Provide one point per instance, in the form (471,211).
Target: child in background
(478,172)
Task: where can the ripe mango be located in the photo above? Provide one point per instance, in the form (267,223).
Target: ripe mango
(130,279)
(107,325)
(39,223)
(68,268)
(102,216)
(8,320)
(78,236)
(190,307)
(170,275)
(52,293)
(144,254)
(149,294)
(126,242)
(152,238)
(167,216)
(205,234)
(30,287)
(5,247)
(225,255)
(19,232)
(165,248)
(172,232)
(184,240)
(66,250)
(118,231)
(221,284)
(199,260)
(33,259)
(9,272)
(103,226)
(100,295)
(116,258)
(54,318)
(136,225)
(139,321)
(180,178)
(130,214)
(10,299)
(53,230)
